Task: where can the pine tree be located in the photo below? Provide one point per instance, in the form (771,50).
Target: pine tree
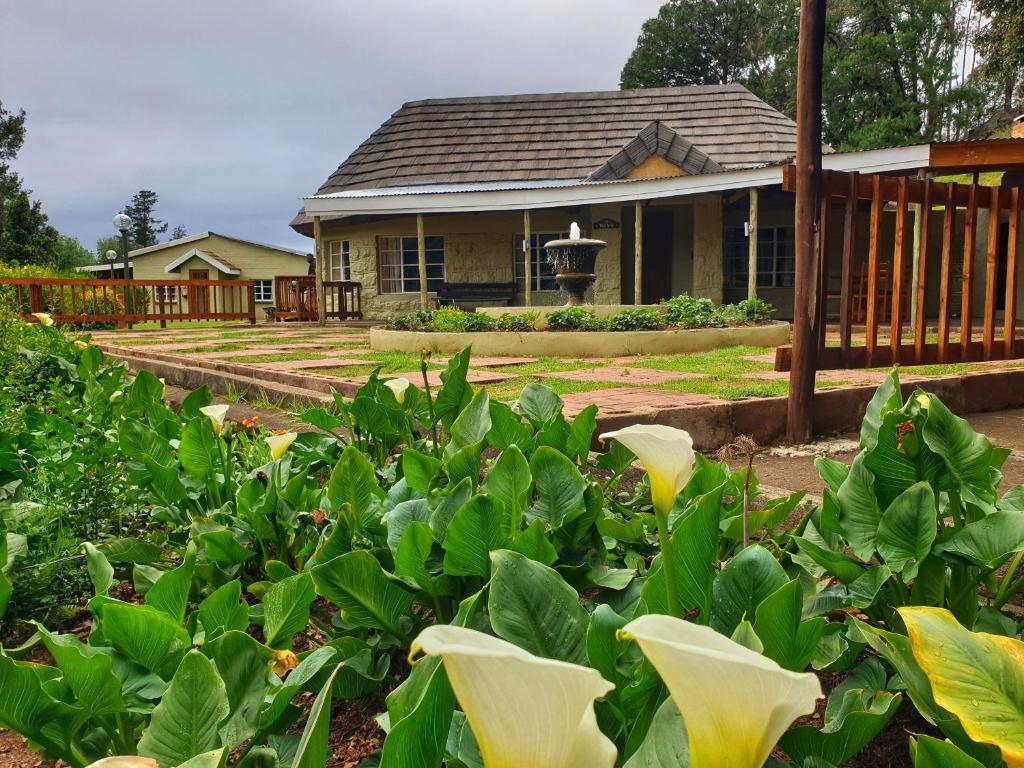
(145,229)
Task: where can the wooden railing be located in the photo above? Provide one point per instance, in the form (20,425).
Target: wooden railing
(84,302)
(945,277)
(295,298)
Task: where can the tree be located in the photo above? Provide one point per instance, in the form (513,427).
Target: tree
(707,42)
(1001,46)
(145,229)
(12,137)
(112,243)
(69,253)
(179,232)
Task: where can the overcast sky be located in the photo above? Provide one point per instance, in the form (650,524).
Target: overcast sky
(231,110)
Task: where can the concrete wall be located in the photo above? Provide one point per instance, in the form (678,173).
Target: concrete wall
(707,246)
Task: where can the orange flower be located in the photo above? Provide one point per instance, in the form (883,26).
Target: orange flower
(283,662)
(279,431)
(250,423)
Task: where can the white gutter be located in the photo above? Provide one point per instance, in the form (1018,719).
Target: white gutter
(433,199)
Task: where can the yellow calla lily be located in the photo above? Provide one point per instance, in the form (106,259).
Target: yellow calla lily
(525,711)
(667,455)
(735,702)
(43,318)
(283,662)
(216,414)
(79,344)
(278,444)
(398,387)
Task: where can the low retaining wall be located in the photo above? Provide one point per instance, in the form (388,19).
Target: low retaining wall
(601,310)
(581,343)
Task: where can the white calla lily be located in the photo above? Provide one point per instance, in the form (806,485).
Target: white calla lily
(667,455)
(43,318)
(216,414)
(525,711)
(735,702)
(79,344)
(398,387)
(279,444)
(125,762)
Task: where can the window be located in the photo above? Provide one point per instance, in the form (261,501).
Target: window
(264,290)
(338,265)
(399,264)
(166,293)
(542,272)
(776,258)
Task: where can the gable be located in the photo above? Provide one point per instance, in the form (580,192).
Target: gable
(657,151)
(655,167)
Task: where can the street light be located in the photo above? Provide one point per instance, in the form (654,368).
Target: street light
(111,257)
(122,223)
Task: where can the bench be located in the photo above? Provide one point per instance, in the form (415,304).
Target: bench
(457,294)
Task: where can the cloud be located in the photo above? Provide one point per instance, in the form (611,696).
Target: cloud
(231,110)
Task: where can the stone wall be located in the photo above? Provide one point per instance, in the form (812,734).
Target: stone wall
(707,247)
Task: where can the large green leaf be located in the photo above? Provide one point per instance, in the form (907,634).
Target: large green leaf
(401,515)
(988,541)
(224,610)
(666,744)
(419,469)
(198,448)
(508,429)
(101,572)
(130,550)
(146,635)
(185,723)
(968,454)
(353,482)
(929,752)
(471,425)
(356,583)
(745,581)
(560,486)
(859,513)
(886,398)
(170,592)
(87,670)
(455,391)
(581,434)
(276,715)
(786,639)
(411,559)
(603,645)
(981,681)
(29,710)
(417,740)
(243,664)
(859,723)
(477,529)
(907,529)
(286,609)
(539,404)
(531,606)
(892,462)
(509,480)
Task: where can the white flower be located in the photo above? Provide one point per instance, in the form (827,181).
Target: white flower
(525,711)
(278,444)
(43,318)
(216,414)
(116,396)
(735,702)
(667,455)
(398,387)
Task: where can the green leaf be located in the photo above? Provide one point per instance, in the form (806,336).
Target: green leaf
(446,508)
(531,606)
(185,722)
(603,645)
(87,670)
(314,749)
(222,611)
(988,541)
(831,471)
(197,449)
(401,515)
(419,469)
(244,665)
(353,482)
(533,542)
(745,635)
(539,404)
(477,529)
(170,592)
(839,741)
(907,529)
(286,609)
(859,514)
(29,710)
(413,552)
(275,717)
(560,487)
(130,550)
(194,400)
(967,454)
(745,581)
(222,547)
(787,640)
(471,425)
(101,572)
(417,740)
(455,391)
(929,752)
(666,744)
(357,584)
(581,434)
(837,564)
(145,635)
(887,397)
(509,480)
(508,429)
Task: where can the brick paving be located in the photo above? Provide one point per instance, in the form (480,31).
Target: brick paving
(327,362)
(489,362)
(851,376)
(625,401)
(621,374)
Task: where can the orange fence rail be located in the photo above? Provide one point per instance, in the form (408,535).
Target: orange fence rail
(83,302)
(943,219)
(296,299)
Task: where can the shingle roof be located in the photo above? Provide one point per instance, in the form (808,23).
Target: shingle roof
(656,139)
(559,135)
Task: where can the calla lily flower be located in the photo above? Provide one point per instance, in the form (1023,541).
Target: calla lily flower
(667,455)
(43,318)
(115,396)
(216,414)
(735,702)
(125,762)
(278,444)
(525,711)
(398,387)
(283,662)
(79,344)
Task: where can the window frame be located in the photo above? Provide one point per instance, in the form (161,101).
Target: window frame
(343,254)
(269,293)
(408,246)
(776,257)
(537,274)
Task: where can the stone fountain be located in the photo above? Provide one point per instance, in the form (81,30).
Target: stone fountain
(574,260)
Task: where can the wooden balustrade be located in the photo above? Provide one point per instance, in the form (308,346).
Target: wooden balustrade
(85,302)
(295,298)
(947,280)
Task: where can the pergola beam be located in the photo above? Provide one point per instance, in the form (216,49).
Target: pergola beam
(971,156)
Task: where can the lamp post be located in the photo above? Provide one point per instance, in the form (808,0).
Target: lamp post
(111,258)
(122,223)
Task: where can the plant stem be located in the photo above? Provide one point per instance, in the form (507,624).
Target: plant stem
(430,407)
(668,564)
(746,501)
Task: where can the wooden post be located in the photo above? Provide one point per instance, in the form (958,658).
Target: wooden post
(915,252)
(528,259)
(967,281)
(849,235)
(808,176)
(318,270)
(991,274)
(638,253)
(752,251)
(1010,309)
(899,248)
(421,254)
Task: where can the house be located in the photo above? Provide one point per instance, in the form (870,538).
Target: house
(677,181)
(213,256)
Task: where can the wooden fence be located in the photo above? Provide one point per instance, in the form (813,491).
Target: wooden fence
(944,266)
(85,302)
(295,298)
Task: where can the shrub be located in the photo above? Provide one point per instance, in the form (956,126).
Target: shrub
(690,312)
(646,319)
(455,320)
(411,321)
(517,323)
(576,319)
(756,310)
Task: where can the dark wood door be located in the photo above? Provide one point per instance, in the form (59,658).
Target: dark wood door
(657,256)
(199,304)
